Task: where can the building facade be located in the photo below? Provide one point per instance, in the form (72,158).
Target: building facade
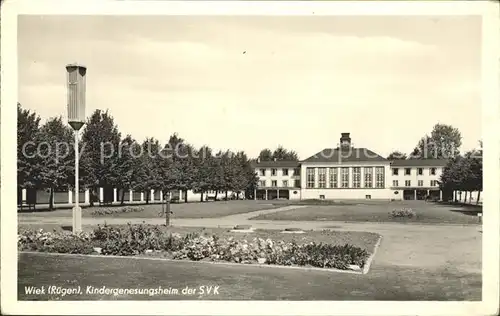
(346,172)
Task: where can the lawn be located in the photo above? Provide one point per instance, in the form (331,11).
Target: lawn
(239,282)
(181,210)
(430,213)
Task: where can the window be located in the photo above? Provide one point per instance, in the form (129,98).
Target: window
(395,183)
(434,183)
(408,183)
(273,172)
(432,171)
(285,172)
(380,177)
(296,172)
(407,171)
(334,177)
(395,171)
(345,177)
(297,184)
(368,177)
(262,172)
(274,183)
(285,183)
(356,177)
(322,178)
(420,171)
(368,197)
(262,183)
(310,177)
(420,183)
(321,197)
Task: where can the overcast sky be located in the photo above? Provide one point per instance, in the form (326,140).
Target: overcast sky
(247,83)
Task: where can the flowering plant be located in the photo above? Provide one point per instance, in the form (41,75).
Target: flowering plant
(404,212)
(140,239)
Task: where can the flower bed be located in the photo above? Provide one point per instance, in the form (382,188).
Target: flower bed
(403,213)
(116,210)
(151,240)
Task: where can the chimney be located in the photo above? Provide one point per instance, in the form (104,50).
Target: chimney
(345,140)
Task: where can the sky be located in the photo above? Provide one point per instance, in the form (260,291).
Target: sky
(248,83)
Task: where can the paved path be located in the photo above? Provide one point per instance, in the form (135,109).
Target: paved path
(448,247)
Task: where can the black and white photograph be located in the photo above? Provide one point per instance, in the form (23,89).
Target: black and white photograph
(241,158)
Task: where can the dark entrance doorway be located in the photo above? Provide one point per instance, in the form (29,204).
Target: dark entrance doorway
(285,194)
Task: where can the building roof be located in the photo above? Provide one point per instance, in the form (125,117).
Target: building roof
(275,164)
(419,162)
(346,155)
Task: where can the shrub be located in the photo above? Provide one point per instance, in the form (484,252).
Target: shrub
(136,239)
(133,239)
(116,210)
(55,242)
(403,213)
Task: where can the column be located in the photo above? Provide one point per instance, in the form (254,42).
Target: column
(87,196)
(70,197)
(161,196)
(115,195)
(362,177)
(152,196)
(142,196)
(427,193)
(316,180)
(277,193)
(101,195)
(266,194)
(415,194)
(440,195)
(255,194)
(131,196)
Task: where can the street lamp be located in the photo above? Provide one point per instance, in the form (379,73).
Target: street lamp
(76,119)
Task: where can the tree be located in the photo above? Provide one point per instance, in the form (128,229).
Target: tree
(28,127)
(282,154)
(99,151)
(203,171)
(443,143)
(266,155)
(396,155)
(151,148)
(131,167)
(56,153)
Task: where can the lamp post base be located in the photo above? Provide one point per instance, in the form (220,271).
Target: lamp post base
(77,219)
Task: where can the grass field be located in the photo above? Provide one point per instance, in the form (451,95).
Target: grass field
(239,282)
(182,210)
(378,212)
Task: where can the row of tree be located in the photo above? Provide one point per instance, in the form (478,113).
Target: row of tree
(463,172)
(45,155)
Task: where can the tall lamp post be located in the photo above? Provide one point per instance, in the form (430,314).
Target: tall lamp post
(76,75)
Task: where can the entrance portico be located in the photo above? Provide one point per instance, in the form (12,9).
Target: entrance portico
(417,193)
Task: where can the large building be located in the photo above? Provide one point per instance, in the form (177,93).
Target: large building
(346,172)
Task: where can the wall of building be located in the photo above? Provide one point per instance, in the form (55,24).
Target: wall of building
(414,177)
(279,177)
(346,193)
(129,196)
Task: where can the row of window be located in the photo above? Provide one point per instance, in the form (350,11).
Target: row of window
(407,171)
(284,171)
(285,183)
(333,177)
(420,183)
